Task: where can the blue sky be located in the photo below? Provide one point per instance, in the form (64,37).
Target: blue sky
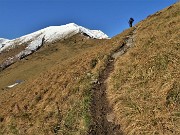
(20,17)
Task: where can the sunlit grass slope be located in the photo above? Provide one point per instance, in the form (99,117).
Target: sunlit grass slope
(144,88)
(56,93)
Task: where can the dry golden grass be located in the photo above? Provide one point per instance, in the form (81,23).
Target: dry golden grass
(56,93)
(55,97)
(144,88)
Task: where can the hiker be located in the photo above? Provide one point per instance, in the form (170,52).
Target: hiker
(131,20)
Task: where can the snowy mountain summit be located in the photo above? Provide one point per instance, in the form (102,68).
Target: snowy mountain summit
(35,40)
(51,34)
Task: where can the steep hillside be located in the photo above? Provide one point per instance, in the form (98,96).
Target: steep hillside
(125,85)
(55,94)
(144,88)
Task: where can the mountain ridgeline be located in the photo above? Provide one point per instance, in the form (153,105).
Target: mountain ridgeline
(32,42)
(71,80)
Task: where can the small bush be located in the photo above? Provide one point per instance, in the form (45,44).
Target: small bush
(13,128)
(1,119)
(56,128)
(173,96)
(38,98)
(93,63)
(70,120)
(26,115)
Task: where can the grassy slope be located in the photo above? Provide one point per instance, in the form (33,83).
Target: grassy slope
(56,94)
(145,86)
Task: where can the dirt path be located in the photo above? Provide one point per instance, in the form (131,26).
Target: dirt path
(102,112)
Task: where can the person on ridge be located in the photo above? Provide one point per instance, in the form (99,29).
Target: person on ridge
(131,20)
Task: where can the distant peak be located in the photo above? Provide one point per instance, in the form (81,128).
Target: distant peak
(72,24)
(51,34)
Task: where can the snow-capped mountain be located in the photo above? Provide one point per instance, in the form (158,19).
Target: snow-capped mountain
(37,39)
(51,34)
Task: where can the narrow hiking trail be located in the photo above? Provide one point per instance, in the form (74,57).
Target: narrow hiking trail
(101,111)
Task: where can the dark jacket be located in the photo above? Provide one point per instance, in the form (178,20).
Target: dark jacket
(131,20)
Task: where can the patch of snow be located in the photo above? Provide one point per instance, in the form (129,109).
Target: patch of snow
(10,86)
(16,83)
(99,34)
(3,42)
(34,45)
(23,54)
(93,33)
